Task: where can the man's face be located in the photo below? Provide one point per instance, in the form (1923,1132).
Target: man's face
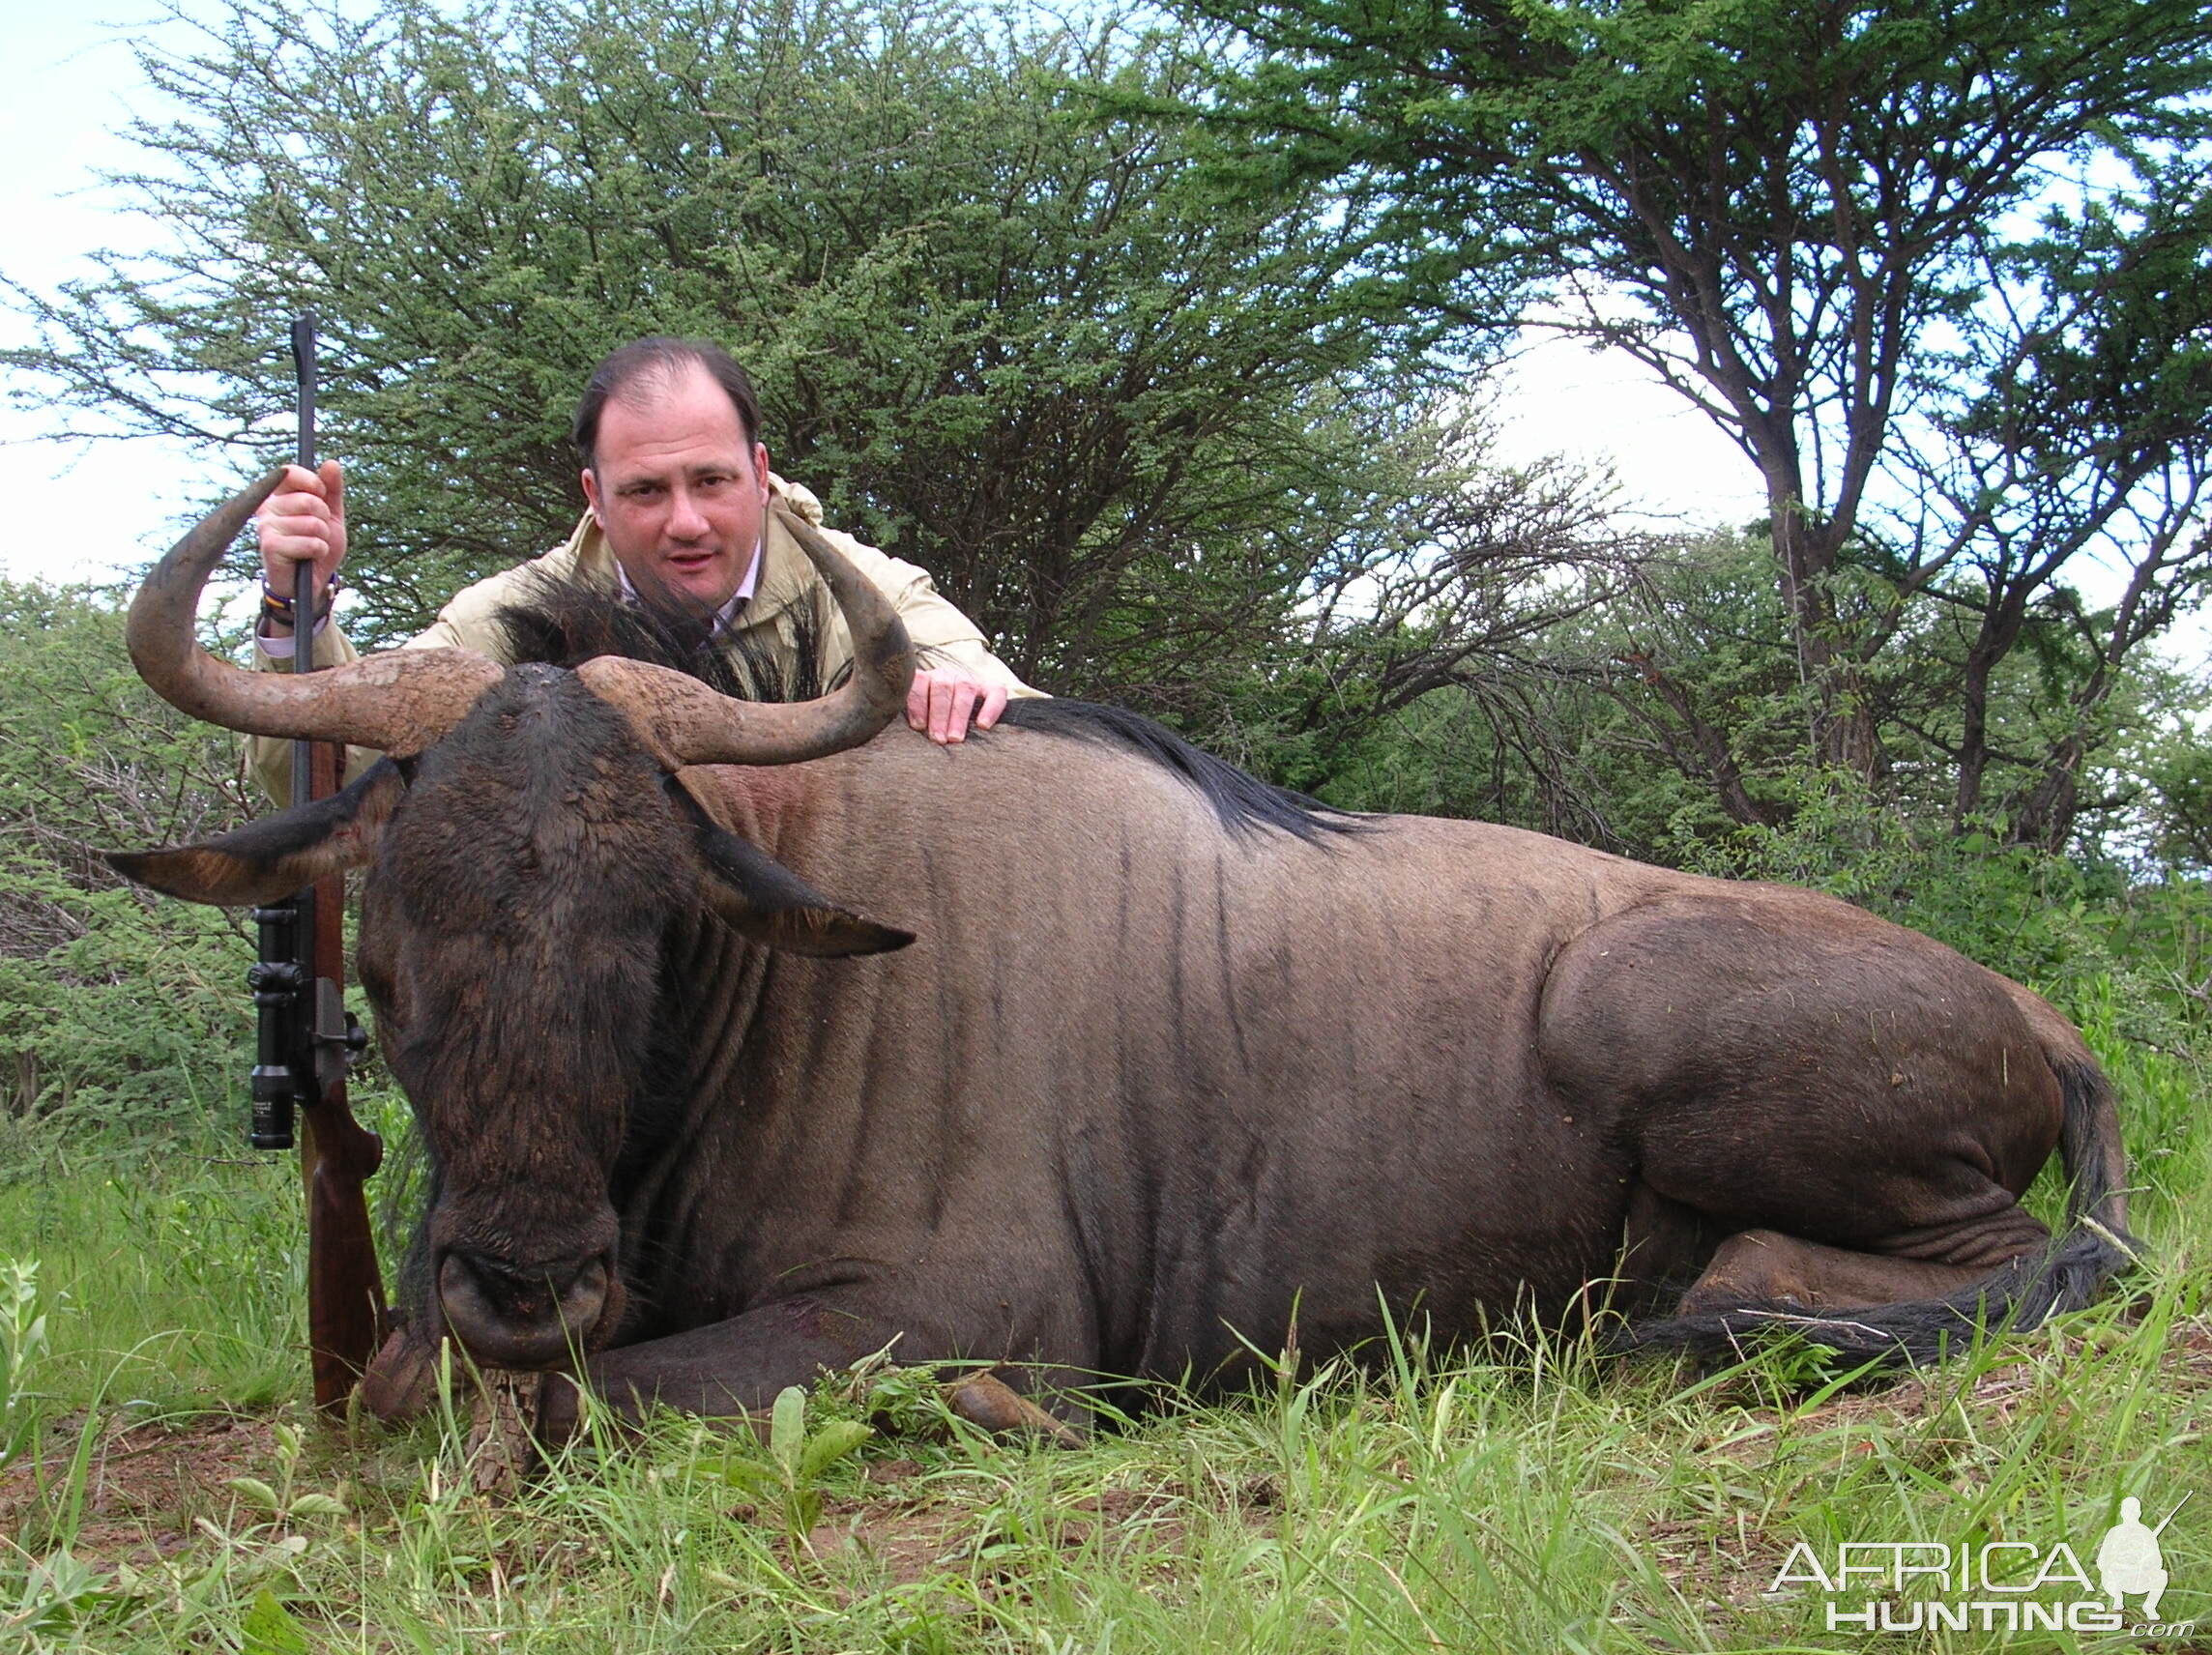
(678,491)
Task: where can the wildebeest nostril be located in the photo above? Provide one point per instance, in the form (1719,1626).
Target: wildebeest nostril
(521,1314)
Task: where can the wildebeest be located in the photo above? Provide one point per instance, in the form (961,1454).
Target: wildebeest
(1171,1054)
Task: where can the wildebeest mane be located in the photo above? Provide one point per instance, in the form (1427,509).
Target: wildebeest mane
(566,623)
(1242,801)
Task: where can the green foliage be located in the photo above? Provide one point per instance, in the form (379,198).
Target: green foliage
(1677,709)
(1852,256)
(1175,406)
(115,1008)
(23,1341)
(1455,573)
(283,1502)
(1525,1499)
(792,1474)
(2082,932)
(1120,413)
(129,1233)
(2179,767)
(267,1628)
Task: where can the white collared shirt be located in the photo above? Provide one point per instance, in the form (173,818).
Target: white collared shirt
(738,599)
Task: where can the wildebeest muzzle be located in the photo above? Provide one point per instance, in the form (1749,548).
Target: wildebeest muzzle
(524,1316)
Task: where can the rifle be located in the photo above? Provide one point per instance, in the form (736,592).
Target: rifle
(304,1039)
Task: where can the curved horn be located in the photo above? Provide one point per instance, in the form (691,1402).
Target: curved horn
(683,722)
(399,701)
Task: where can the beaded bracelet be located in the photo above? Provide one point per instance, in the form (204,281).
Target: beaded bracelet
(274,608)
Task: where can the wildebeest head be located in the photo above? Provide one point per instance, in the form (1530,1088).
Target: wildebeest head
(530,842)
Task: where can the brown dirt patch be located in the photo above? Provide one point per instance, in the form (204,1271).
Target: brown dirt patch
(904,1541)
(143,1486)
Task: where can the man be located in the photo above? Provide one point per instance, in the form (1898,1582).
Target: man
(676,483)
(2128,1558)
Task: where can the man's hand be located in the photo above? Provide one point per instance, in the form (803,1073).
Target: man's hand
(304,520)
(942,698)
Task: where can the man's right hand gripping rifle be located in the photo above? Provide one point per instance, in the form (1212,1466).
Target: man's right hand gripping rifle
(303,521)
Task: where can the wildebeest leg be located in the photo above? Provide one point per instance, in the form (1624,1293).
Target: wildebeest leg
(1767,1267)
(402,1378)
(738,1366)
(731,1367)
(1664,1248)
(1870,1102)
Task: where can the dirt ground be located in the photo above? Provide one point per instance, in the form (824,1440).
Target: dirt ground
(144,1484)
(904,1540)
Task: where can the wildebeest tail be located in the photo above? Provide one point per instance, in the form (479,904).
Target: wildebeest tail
(2092,1248)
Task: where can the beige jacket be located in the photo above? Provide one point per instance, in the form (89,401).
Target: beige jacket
(789,598)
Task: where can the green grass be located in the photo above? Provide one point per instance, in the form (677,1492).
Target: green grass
(1525,1499)
(169,1283)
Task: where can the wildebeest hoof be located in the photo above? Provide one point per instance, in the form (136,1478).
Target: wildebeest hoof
(560,1410)
(991,1403)
(403,1379)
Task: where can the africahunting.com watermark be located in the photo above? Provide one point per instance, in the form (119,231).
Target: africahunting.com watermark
(1991,1586)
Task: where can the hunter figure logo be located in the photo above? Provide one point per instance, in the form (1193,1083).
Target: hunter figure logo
(1994,1585)
(2130,1559)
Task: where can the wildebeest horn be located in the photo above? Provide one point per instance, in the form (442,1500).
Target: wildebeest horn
(684,722)
(399,701)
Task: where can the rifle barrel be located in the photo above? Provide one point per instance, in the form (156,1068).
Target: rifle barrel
(2175,1513)
(304,572)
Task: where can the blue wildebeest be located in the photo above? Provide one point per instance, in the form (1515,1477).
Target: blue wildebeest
(1171,1053)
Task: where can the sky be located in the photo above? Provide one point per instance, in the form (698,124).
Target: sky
(76,513)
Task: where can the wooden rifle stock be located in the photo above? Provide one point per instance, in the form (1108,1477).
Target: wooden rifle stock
(346,1311)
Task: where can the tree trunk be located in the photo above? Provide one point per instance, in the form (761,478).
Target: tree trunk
(2000,629)
(2046,817)
(1843,729)
(1709,744)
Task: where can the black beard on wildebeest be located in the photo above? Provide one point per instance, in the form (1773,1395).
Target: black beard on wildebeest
(1174,1059)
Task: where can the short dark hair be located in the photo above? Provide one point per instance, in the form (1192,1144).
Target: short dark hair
(662,358)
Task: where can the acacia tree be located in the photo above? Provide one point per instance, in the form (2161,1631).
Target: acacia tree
(1122,417)
(1465,599)
(1787,210)
(2087,371)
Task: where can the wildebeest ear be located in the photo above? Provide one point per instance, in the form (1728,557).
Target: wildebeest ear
(277,854)
(758,897)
